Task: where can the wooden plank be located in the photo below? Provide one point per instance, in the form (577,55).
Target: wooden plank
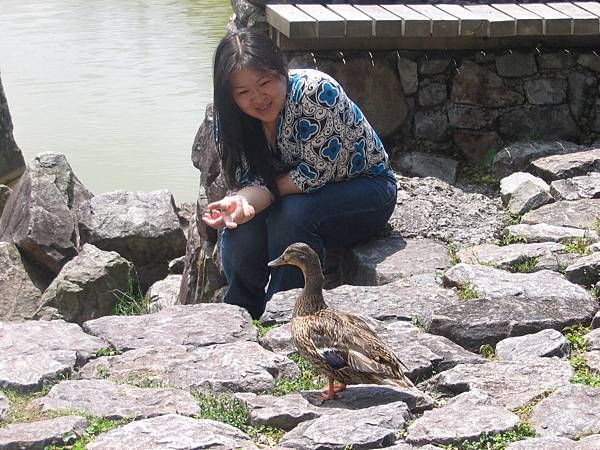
(358,24)
(290,21)
(329,24)
(442,23)
(413,23)
(555,22)
(385,24)
(582,21)
(499,24)
(528,23)
(471,23)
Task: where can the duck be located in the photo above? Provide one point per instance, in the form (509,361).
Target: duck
(342,346)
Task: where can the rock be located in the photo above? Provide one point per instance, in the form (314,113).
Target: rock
(430,208)
(541,232)
(471,117)
(509,184)
(5,192)
(516,64)
(384,260)
(589,60)
(581,87)
(558,59)
(175,432)
(247,15)
(517,157)
(373,427)
(593,339)
(279,340)
(549,443)
(41,215)
(164,293)
(544,343)
(178,325)
(89,286)
(102,398)
(576,188)
(476,146)
(4,406)
(432,94)
(42,433)
(176,266)
(431,124)
(398,300)
(570,165)
(35,352)
(409,78)
(12,164)
(426,165)
(528,196)
(546,91)
(143,227)
(576,214)
(465,417)
(572,411)
(551,122)
(511,383)
(20,293)
(592,360)
(433,66)
(508,256)
(236,367)
(585,271)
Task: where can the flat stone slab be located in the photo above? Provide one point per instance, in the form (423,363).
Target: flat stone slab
(557,443)
(197,325)
(585,270)
(399,300)
(543,343)
(569,165)
(508,256)
(576,188)
(512,383)
(542,232)
(42,433)
(465,417)
(572,411)
(34,352)
(384,260)
(104,398)
(372,427)
(576,214)
(173,432)
(236,367)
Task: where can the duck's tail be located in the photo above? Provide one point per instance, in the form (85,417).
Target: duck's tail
(403,382)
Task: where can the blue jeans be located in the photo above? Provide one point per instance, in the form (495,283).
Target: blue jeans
(337,215)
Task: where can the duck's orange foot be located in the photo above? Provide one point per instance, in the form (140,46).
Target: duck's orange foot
(329,393)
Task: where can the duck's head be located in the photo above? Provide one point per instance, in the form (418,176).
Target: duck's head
(298,254)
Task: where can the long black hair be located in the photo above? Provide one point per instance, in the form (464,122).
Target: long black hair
(237,133)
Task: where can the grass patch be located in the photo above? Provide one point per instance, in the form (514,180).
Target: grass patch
(597,225)
(579,245)
(97,425)
(525,411)
(496,441)
(308,380)
(583,373)
(131,302)
(264,329)
(526,265)
(466,291)
(453,253)
(418,322)
(487,351)
(508,239)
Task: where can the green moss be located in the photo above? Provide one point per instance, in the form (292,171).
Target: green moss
(508,239)
(583,373)
(487,351)
(97,425)
(308,380)
(466,291)
(526,265)
(579,245)
(263,329)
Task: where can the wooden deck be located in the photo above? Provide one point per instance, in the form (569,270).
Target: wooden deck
(346,26)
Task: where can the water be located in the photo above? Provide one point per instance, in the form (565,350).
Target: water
(119,87)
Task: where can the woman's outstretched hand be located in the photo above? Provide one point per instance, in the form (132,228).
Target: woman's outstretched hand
(228,212)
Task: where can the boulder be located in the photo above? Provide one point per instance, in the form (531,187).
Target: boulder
(576,214)
(508,257)
(569,165)
(175,432)
(544,343)
(89,286)
(164,293)
(585,271)
(40,216)
(143,227)
(5,192)
(509,184)
(12,164)
(551,122)
(546,91)
(576,188)
(409,78)
(426,165)
(542,232)
(42,433)
(528,196)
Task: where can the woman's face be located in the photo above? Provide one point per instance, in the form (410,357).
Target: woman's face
(259,94)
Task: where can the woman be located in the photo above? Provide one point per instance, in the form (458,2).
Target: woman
(302,163)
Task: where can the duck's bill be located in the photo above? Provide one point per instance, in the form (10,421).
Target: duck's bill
(276,262)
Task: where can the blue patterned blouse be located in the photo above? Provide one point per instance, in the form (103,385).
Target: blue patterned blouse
(322,135)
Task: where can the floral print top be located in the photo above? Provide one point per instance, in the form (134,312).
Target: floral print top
(322,135)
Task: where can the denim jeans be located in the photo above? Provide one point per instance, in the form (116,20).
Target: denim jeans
(337,215)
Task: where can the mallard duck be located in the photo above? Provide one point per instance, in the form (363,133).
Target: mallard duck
(340,345)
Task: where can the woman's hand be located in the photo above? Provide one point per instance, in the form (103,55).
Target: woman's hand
(228,212)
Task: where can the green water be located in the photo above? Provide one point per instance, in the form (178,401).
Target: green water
(118,86)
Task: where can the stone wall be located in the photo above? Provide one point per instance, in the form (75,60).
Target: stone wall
(467,103)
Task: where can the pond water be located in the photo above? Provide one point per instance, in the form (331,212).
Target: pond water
(119,87)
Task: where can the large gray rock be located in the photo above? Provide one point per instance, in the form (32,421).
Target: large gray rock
(12,164)
(513,383)
(5,192)
(20,294)
(543,343)
(143,227)
(103,398)
(549,122)
(572,411)
(570,165)
(546,91)
(381,261)
(529,195)
(426,165)
(542,232)
(237,367)
(509,184)
(516,64)
(556,443)
(373,427)
(508,256)
(88,286)
(195,325)
(164,293)
(42,433)
(518,156)
(585,270)
(34,352)
(407,69)
(41,214)
(576,188)
(173,432)
(467,416)
(431,124)
(576,214)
